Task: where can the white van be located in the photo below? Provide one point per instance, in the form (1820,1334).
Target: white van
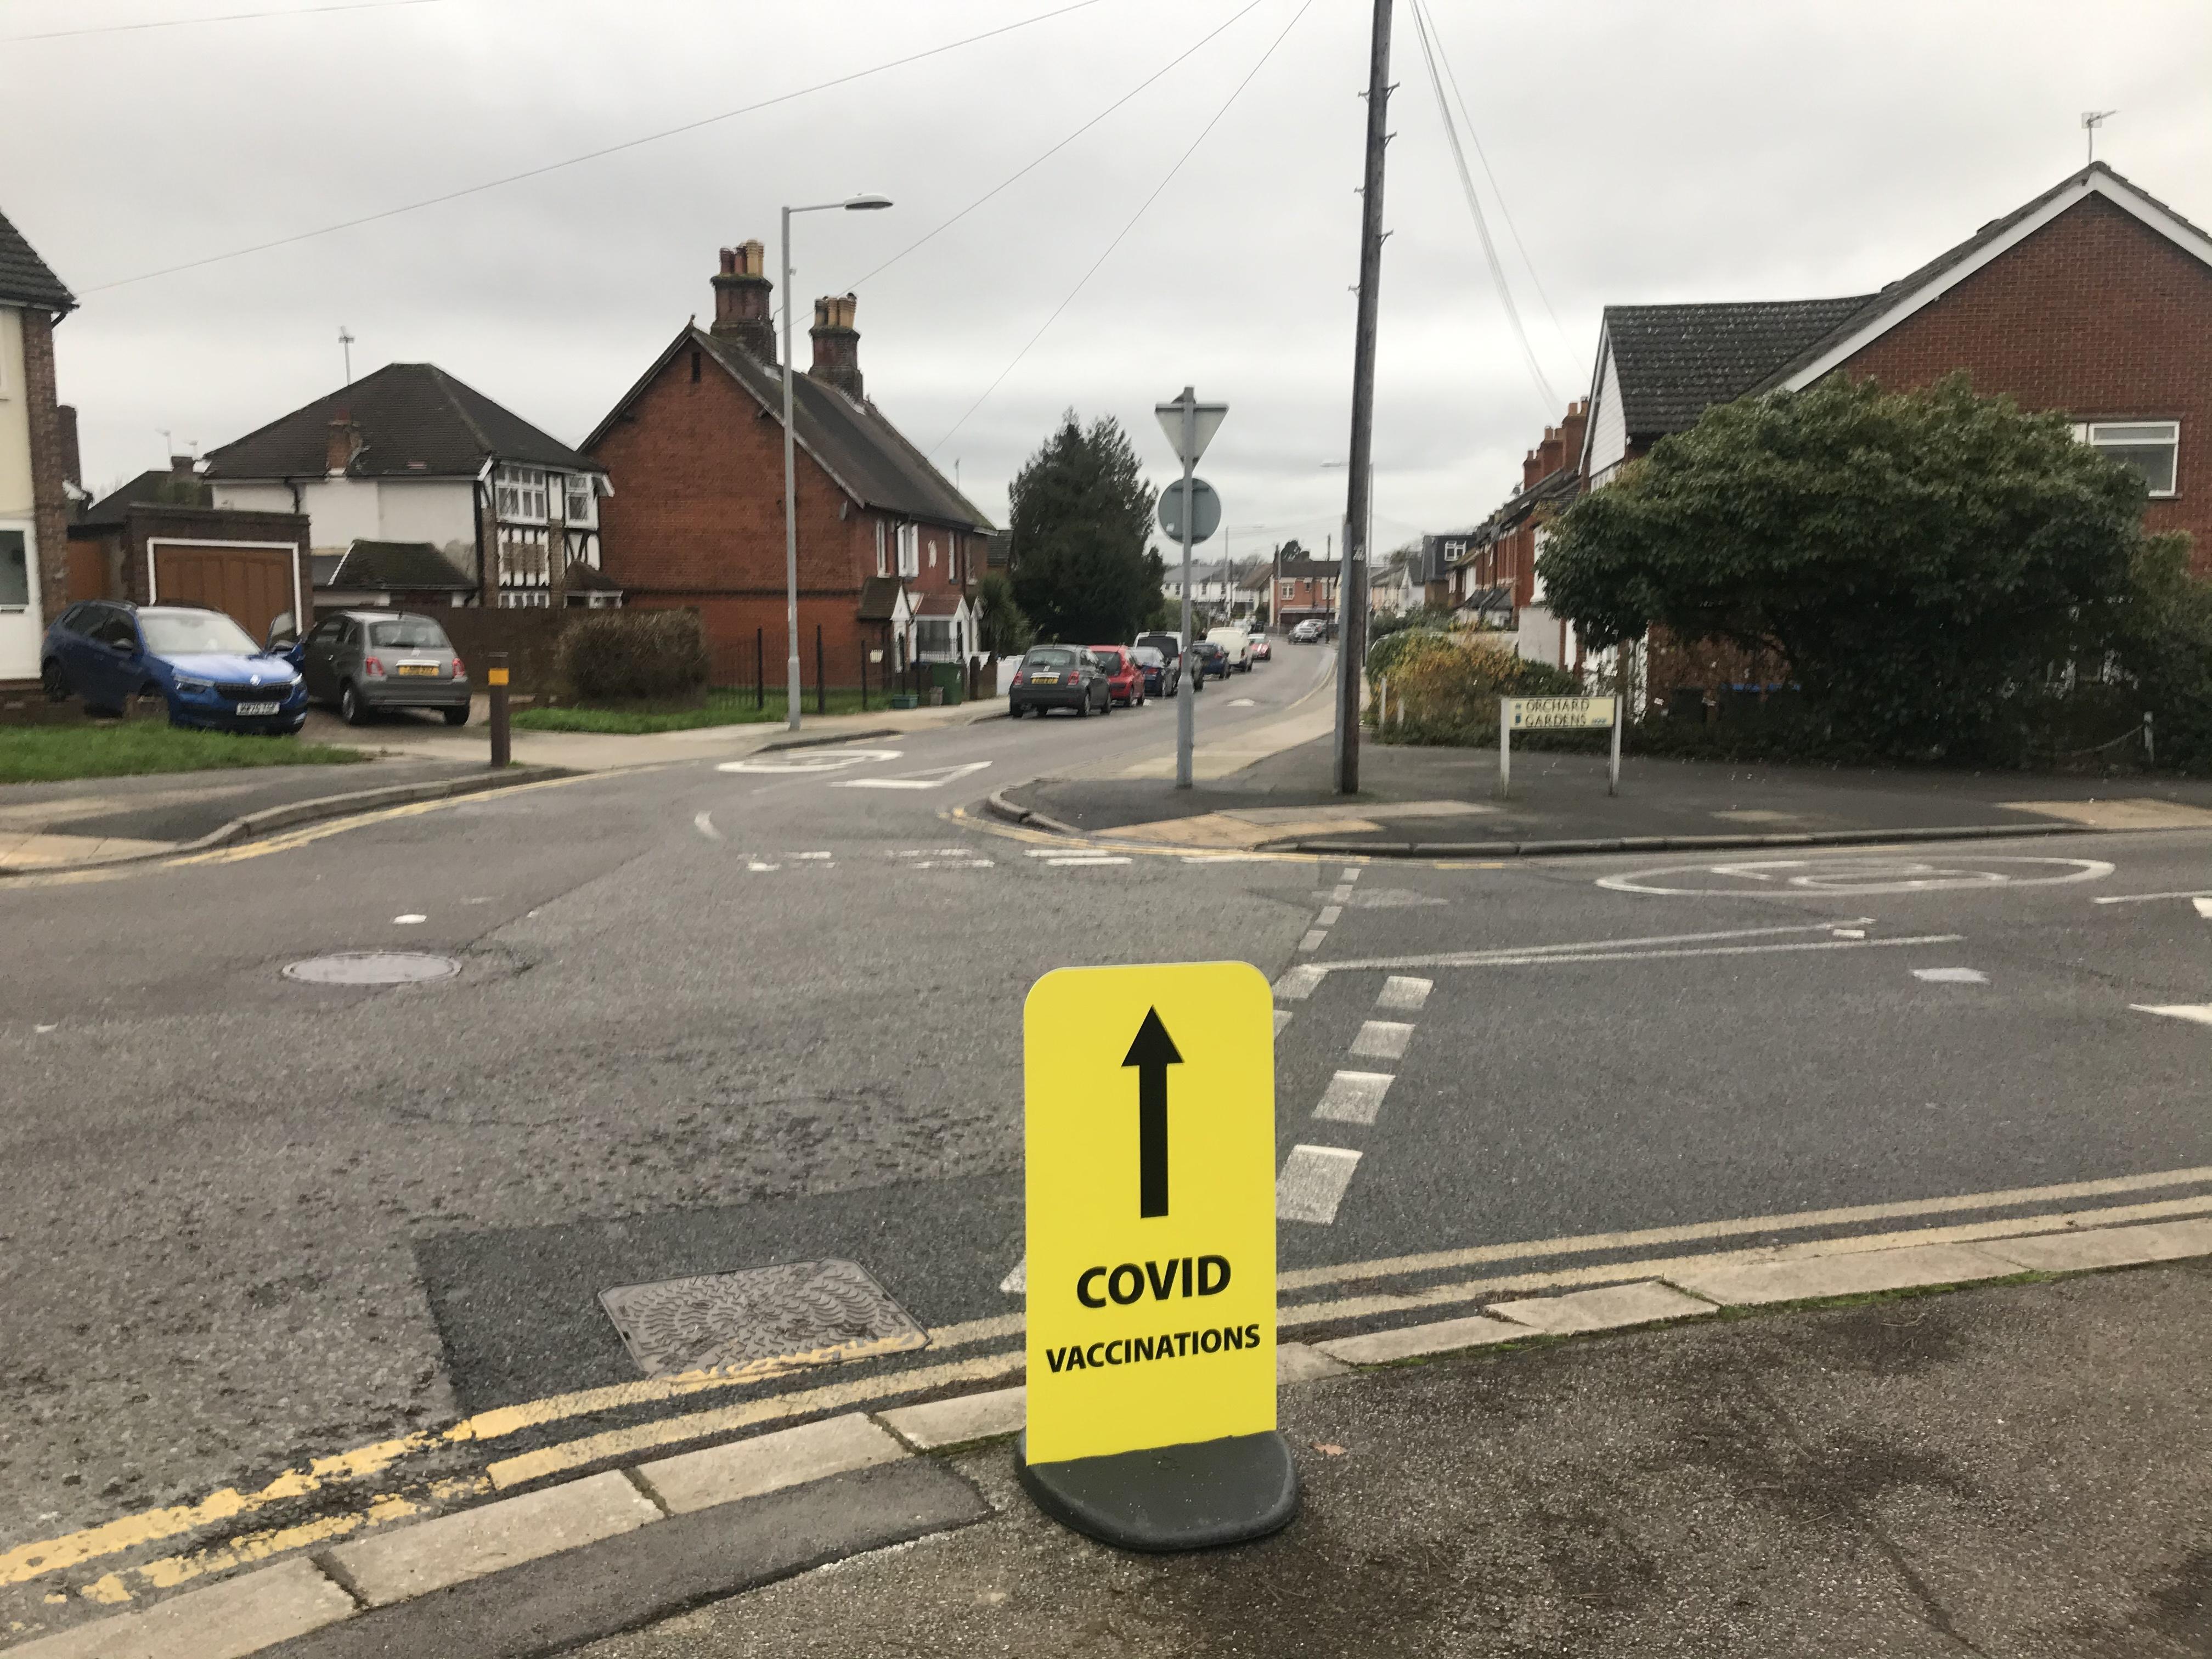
(1237,644)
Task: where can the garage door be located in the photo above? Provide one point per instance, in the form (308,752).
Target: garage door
(252,583)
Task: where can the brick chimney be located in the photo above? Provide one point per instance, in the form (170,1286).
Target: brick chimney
(72,464)
(836,344)
(741,302)
(1571,430)
(183,467)
(341,444)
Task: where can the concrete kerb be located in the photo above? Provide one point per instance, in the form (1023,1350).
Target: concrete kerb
(292,814)
(998,807)
(361,1579)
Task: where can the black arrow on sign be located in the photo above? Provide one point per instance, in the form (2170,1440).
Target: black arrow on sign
(1152,1053)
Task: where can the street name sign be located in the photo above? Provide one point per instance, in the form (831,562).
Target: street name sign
(1560,714)
(1557,714)
(1150,1265)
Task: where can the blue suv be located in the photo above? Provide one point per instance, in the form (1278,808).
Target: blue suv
(202,664)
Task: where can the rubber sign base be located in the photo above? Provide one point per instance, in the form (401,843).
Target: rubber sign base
(1193,1497)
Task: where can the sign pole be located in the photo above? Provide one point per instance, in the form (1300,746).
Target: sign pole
(1186,710)
(1504,747)
(1613,771)
(503,751)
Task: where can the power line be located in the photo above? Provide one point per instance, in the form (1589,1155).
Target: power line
(591,155)
(1481,224)
(1011,177)
(1483,156)
(1119,234)
(225,17)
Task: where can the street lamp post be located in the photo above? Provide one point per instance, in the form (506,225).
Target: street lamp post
(1190,426)
(791,695)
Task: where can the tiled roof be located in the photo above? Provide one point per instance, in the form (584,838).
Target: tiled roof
(582,578)
(879,596)
(25,277)
(850,438)
(413,420)
(157,486)
(393,564)
(1676,361)
(938,605)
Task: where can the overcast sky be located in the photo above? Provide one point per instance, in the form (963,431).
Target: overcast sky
(1673,150)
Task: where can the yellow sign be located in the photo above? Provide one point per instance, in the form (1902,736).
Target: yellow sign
(1151,1132)
(495,677)
(1560,714)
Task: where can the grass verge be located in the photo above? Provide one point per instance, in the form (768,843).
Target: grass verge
(728,707)
(49,754)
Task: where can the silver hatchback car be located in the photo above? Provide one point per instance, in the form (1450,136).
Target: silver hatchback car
(367,661)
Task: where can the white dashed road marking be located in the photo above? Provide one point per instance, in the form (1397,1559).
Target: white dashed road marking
(935,777)
(1329,914)
(1311,942)
(2203,908)
(1405,995)
(1312,1183)
(409,919)
(1282,1018)
(1951,975)
(1382,1039)
(2198,1013)
(704,824)
(1086,862)
(1354,1096)
(1298,984)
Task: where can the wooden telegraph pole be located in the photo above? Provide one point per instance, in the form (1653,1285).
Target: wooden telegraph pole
(1351,583)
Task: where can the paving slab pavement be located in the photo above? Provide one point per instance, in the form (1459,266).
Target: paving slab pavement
(1443,798)
(2016,1469)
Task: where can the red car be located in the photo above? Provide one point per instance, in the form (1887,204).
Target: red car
(1125,680)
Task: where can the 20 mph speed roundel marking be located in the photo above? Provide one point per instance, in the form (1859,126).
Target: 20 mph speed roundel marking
(1856,877)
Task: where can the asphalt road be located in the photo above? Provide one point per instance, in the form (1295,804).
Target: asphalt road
(709,1019)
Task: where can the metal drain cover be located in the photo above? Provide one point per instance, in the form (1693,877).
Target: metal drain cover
(373,967)
(764,1319)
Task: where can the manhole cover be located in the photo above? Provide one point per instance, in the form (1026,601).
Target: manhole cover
(373,968)
(802,1313)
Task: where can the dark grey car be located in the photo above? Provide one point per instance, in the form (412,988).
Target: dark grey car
(366,661)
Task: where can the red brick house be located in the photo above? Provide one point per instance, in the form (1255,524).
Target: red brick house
(1304,587)
(2094,300)
(889,551)
(1492,568)
(37,464)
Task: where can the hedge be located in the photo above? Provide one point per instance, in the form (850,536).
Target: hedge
(1448,690)
(635,656)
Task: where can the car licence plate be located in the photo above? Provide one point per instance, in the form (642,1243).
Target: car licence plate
(427,670)
(1045,679)
(259,707)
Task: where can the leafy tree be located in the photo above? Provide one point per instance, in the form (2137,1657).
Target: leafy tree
(1384,625)
(1924,561)
(1000,627)
(1082,512)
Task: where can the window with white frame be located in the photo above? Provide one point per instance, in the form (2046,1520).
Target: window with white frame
(909,550)
(578,506)
(2151,447)
(524,599)
(521,493)
(522,558)
(882,551)
(1290,590)
(933,555)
